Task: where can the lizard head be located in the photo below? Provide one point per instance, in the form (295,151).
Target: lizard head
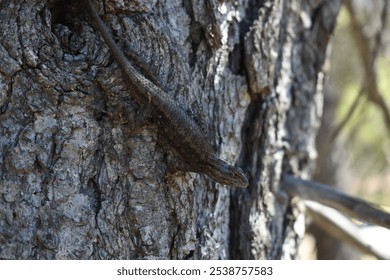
(226,174)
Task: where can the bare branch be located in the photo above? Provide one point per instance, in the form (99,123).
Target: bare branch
(369,57)
(354,207)
(348,116)
(342,228)
(326,146)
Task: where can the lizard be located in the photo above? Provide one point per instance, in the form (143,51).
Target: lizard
(183,133)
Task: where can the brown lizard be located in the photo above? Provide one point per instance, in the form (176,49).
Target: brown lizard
(182,131)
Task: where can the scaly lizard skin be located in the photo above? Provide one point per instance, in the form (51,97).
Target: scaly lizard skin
(182,131)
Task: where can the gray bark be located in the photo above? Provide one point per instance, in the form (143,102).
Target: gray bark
(84,176)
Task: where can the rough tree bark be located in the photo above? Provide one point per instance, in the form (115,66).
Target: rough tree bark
(84,176)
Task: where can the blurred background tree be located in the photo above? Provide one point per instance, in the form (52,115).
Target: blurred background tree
(353,142)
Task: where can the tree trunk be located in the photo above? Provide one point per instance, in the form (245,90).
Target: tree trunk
(85,174)
(332,171)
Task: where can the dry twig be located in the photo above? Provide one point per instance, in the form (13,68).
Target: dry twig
(354,207)
(369,57)
(342,228)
